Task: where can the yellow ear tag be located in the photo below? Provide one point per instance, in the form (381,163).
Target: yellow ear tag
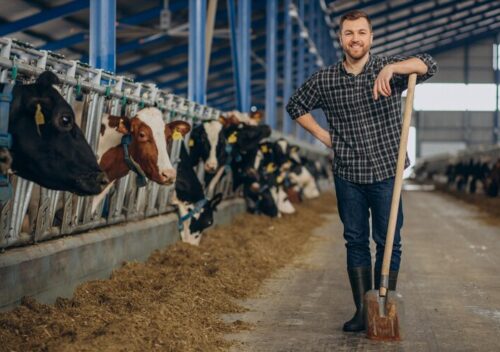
(177,135)
(191,142)
(270,168)
(264,149)
(39,117)
(232,138)
(279,179)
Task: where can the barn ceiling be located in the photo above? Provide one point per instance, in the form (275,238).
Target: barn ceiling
(148,53)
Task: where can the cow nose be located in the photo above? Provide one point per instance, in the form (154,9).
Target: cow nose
(168,176)
(103,180)
(210,167)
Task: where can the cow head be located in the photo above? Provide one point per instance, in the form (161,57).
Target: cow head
(281,151)
(148,147)
(259,199)
(202,217)
(48,147)
(176,130)
(247,137)
(207,143)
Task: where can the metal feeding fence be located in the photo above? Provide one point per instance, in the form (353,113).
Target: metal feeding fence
(35,213)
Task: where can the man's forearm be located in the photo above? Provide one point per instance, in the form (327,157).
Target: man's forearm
(412,65)
(308,122)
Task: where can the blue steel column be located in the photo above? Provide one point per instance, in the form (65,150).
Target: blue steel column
(496,119)
(300,131)
(103,34)
(287,82)
(234,52)
(196,75)
(312,56)
(312,36)
(271,44)
(244,21)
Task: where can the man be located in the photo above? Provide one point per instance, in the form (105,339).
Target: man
(361,98)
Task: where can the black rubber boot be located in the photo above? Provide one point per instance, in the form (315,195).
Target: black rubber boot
(393,279)
(361,281)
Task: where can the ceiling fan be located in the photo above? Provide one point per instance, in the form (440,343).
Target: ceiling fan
(126,31)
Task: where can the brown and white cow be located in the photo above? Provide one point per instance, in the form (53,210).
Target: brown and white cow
(148,146)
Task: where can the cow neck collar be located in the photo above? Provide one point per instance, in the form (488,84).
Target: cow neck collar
(198,206)
(5,137)
(131,163)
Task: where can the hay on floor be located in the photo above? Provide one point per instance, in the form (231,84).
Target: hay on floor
(173,302)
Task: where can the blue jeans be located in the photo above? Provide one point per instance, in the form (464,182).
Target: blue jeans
(354,202)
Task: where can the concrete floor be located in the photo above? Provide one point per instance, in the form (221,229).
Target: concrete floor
(449,288)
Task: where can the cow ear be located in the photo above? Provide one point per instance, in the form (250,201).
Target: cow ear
(214,202)
(176,130)
(294,148)
(120,123)
(132,124)
(47,79)
(224,121)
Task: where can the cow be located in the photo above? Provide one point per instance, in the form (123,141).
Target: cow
(253,118)
(301,174)
(148,145)
(207,143)
(289,161)
(263,184)
(48,147)
(195,210)
(493,180)
(148,152)
(242,143)
(245,141)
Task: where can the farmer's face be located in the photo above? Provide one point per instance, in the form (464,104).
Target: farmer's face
(356,38)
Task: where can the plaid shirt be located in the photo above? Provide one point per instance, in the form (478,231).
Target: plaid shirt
(365,133)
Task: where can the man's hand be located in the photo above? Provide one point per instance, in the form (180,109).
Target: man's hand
(309,123)
(324,137)
(383,82)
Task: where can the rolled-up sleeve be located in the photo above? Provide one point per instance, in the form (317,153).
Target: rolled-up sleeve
(431,67)
(426,59)
(305,99)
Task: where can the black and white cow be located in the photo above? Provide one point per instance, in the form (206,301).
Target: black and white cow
(207,143)
(267,163)
(301,174)
(244,141)
(47,146)
(195,211)
(290,162)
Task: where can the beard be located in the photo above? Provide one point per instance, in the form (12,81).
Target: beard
(356,54)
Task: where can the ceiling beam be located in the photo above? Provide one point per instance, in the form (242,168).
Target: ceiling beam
(429,24)
(448,38)
(450,25)
(43,16)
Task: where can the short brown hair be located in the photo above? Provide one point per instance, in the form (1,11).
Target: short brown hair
(354,15)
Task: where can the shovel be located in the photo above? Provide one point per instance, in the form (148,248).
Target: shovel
(382,321)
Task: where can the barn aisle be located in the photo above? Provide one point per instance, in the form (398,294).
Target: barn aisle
(449,283)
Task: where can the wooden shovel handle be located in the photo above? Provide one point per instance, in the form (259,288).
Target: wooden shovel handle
(398,181)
